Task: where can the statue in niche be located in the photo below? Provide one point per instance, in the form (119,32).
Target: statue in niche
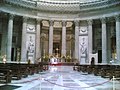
(83,48)
(31,45)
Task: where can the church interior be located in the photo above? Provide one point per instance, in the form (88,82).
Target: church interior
(59,44)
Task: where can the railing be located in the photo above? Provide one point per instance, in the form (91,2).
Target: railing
(114,79)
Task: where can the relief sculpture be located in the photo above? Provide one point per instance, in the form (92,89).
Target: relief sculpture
(31,45)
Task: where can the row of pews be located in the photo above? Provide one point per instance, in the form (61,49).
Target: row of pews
(11,71)
(107,71)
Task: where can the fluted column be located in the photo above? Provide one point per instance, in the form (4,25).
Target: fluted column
(9,37)
(76,40)
(38,29)
(118,37)
(51,37)
(23,46)
(90,39)
(108,45)
(63,52)
(104,41)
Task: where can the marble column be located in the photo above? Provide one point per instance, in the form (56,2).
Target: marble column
(90,35)
(104,41)
(63,52)
(109,43)
(76,40)
(51,37)
(118,37)
(38,30)
(23,46)
(9,37)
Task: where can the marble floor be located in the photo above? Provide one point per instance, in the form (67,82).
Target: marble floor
(64,78)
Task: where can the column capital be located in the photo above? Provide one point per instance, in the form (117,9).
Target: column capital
(76,22)
(11,16)
(38,21)
(64,23)
(103,20)
(90,21)
(25,19)
(51,22)
(117,18)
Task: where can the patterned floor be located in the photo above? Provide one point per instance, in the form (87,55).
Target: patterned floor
(64,78)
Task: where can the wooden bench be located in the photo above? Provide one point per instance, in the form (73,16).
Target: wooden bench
(11,71)
(5,74)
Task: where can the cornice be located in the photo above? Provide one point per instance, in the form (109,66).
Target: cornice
(99,5)
(36,14)
(65,7)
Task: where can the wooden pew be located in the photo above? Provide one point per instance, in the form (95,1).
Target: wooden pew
(75,67)
(5,73)
(11,71)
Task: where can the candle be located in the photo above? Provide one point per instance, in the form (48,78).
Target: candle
(70,53)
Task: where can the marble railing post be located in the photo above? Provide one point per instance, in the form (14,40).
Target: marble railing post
(9,37)
(63,52)
(76,40)
(23,46)
(51,37)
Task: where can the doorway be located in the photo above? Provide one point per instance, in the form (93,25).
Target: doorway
(12,54)
(99,56)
